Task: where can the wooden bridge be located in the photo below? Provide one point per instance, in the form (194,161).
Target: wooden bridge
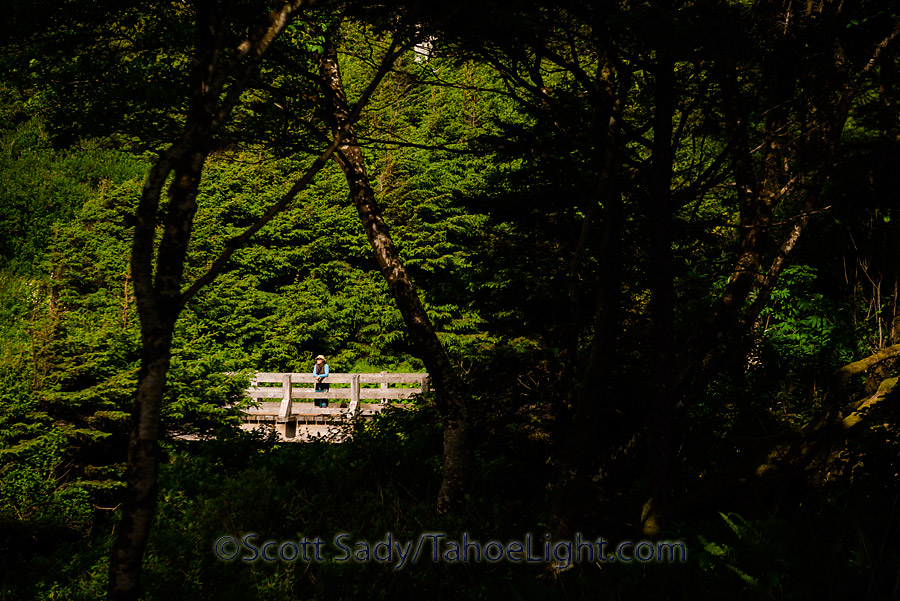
(350,396)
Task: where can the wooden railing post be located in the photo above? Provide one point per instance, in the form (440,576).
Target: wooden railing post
(354,395)
(383,386)
(254,382)
(285,410)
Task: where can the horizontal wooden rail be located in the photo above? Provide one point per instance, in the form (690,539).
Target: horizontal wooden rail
(342,378)
(334,393)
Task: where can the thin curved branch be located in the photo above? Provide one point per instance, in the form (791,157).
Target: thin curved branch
(235,243)
(219,264)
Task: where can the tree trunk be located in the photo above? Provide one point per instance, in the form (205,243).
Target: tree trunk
(662,290)
(139,505)
(451,397)
(754,223)
(577,466)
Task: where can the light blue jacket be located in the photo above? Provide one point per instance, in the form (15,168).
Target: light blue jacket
(322,375)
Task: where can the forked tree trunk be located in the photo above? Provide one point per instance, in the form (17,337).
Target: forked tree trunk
(159,295)
(451,397)
(159,304)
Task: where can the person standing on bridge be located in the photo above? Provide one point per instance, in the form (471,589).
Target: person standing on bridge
(320,371)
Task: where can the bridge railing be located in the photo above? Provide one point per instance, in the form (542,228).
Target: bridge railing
(355,394)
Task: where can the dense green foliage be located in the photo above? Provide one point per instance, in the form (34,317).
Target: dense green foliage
(487,158)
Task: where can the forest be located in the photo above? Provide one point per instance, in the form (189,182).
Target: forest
(648,253)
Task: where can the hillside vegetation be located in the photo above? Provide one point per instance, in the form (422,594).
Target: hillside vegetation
(649,253)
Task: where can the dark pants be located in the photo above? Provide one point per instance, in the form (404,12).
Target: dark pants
(321,387)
